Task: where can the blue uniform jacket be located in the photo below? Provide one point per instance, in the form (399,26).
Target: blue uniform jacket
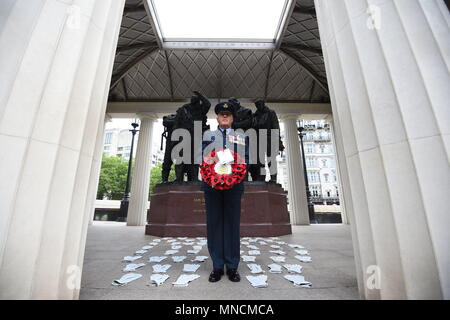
(235,141)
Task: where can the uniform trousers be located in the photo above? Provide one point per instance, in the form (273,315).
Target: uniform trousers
(223,214)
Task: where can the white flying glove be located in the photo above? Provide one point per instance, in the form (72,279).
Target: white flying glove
(127,278)
(298,281)
(258,281)
(293,268)
(178,258)
(131,258)
(303,258)
(191,267)
(279,252)
(255,268)
(278,259)
(156,259)
(199,259)
(133,267)
(274,268)
(248,258)
(184,279)
(158,279)
(161,268)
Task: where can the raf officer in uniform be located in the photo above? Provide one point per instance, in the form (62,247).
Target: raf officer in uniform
(223,207)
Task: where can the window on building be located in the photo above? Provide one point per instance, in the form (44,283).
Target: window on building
(107,148)
(312,176)
(324,163)
(108,137)
(119,148)
(315,192)
(326,177)
(309,148)
(322,148)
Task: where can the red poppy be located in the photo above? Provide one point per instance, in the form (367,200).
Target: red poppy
(223,181)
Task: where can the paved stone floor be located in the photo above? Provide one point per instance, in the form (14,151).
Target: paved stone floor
(331,272)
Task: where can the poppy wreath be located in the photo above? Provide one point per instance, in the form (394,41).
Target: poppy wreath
(222,181)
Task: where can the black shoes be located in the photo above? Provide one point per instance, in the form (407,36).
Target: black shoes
(215,275)
(233,275)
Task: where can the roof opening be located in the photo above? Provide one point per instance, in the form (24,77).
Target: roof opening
(219,24)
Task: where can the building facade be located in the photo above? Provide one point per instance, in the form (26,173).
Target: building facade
(320,162)
(117,143)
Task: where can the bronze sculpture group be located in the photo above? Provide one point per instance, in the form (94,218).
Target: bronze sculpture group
(244,118)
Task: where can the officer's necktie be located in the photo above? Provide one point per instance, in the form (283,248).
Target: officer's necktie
(224,134)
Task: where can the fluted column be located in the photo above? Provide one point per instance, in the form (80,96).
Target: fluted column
(344,217)
(53,94)
(140,183)
(96,166)
(387,67)
(296,180)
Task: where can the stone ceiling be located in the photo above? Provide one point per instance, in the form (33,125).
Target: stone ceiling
(293,73)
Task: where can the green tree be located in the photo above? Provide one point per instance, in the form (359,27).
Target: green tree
(156,176)
(113,177)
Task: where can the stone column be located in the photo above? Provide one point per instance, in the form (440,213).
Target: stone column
(96,166)
(296,180)
(387,68)
(344,217)
(56,68)
(140,183)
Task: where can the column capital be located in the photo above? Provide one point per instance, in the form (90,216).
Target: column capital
(329,117)
(108,117)
(147,115)
(288,116)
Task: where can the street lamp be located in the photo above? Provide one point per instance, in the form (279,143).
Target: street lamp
(312,217)
(126,195)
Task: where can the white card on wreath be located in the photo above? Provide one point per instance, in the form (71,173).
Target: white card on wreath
(225,156)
